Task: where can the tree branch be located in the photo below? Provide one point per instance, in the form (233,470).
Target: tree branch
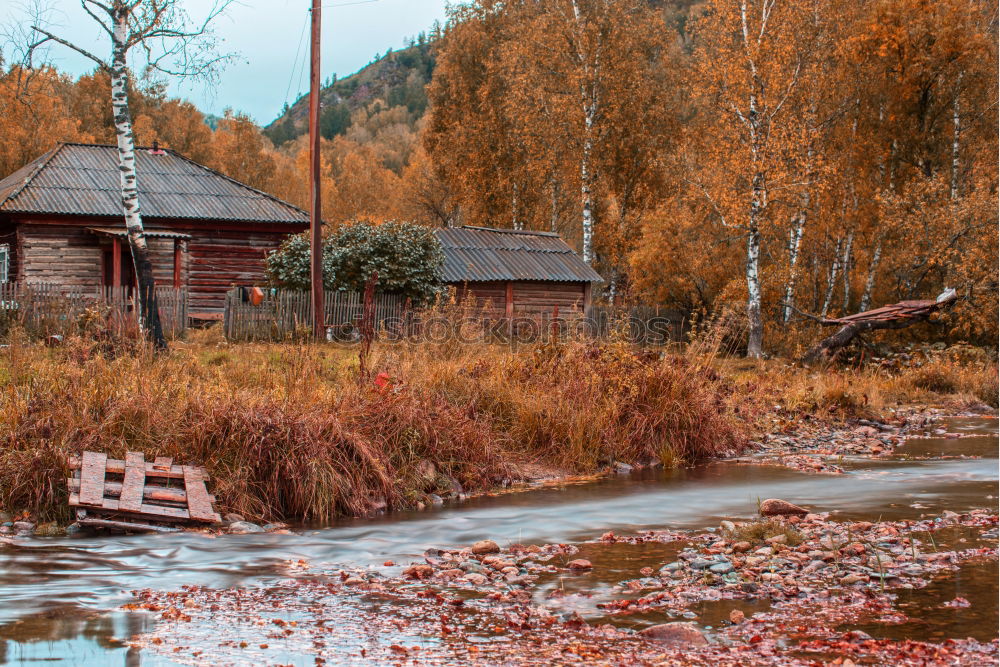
(50,37)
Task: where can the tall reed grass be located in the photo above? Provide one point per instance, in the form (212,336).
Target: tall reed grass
(289,432)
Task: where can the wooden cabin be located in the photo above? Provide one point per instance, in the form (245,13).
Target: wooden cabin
(520,273)
(61,223)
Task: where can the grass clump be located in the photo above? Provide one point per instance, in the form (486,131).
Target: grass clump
(757,532)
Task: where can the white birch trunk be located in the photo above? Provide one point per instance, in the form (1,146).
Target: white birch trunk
(866,296)
(794,242)
(590,102)
(848,250)
(832,278)
(149,317)
(586,195)
(755,340)
(956,134)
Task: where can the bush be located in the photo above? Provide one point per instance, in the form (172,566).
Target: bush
(408,258)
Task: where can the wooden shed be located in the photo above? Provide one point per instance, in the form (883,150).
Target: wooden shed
(523,272)
(61,223)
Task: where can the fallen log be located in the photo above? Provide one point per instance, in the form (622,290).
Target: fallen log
(894,316)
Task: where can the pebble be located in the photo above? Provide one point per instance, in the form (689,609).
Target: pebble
(475,579)
(853,579)
(736,617)
(728,526)
(677,634)
(579,564)
(485,547)
(244,527)
(721,568)
(741,547)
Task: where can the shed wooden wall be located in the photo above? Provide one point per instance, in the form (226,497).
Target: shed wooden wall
(73,256)
(530,297)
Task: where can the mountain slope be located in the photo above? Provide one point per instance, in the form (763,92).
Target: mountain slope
(396,79)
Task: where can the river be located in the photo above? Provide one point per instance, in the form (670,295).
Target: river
(58,596)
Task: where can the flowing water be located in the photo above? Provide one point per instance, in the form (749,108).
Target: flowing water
(57,595)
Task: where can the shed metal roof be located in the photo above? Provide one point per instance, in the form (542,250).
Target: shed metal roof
(478,254)
(83,179)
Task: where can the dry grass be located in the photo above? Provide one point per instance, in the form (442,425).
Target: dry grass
(288,432)
(756,532)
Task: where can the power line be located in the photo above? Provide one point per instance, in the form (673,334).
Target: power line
(295,63)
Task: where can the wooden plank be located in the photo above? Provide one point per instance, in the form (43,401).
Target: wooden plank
(118,466)
(199,506)
(149,491)
(112,505)
(163,463)
(92,478)
(135,480)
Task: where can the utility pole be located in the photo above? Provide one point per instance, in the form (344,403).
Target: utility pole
(315,205)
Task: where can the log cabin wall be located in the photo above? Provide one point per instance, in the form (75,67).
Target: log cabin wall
(219,260)
(212,261)
(537,298)
(530,298)
(73,256)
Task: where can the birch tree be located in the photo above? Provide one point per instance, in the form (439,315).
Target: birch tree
(747,69)
(169,44)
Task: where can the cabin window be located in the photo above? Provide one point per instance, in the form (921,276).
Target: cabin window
(4,262)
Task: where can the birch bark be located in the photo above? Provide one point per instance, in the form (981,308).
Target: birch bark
(149,315)
(832,278)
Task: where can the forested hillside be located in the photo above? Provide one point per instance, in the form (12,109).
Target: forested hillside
(773,157)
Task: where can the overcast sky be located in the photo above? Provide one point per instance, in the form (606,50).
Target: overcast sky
(266,34)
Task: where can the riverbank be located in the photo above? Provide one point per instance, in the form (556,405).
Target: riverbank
(291,433)
(63,598)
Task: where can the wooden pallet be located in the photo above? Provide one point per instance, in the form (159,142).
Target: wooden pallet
(127,494)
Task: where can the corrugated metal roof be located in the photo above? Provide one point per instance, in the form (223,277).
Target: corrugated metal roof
(83,179)
(476,254)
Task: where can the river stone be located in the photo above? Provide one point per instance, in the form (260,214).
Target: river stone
(777,539)
(853,579)
(672,567)
(741,547)
(274,527)
(6,530)
(435,499)
(244,527)
(232,517)
(579,564)
(485,547)
(676,634)
(621,468)
(476,579)
(700,564)
(728,526)
(721,568)
(778,507)
(23,526)
(470,566)
(418,571)
(736,617)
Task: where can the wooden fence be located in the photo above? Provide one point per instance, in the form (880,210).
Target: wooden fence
(284,314)
(45,309)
